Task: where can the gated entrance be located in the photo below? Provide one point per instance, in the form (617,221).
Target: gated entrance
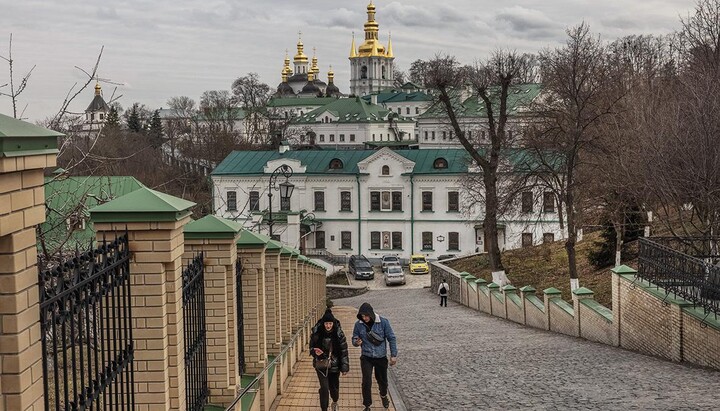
(86,331)
(196,379)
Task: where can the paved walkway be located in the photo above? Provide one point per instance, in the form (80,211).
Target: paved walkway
(456,359)
(302,391)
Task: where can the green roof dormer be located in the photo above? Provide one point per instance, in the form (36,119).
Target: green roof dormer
(20,138)
(212,226)
(142,205)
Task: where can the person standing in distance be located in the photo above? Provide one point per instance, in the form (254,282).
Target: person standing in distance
(443,291)
(372,333)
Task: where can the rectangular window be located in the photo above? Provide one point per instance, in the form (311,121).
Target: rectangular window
(426,135)
(397,200)
(452,136)
(427,201)
(453,201)
(345,201)
(433,135)
(548,202)
(385,201)
(527,202)
(454,241)
(342,137)
(417,110)
(375,240)
(352,137)
(444,135)
(374,201)
(427,240)
(232,201)
(254,201)
(548,238)
(332,137)
(399,110)
(397,240)
(469,134)
(346,240)
(284,204)
(527,239)
(407,110)
(373,136)
(322,138)
(319,239)
(319,201)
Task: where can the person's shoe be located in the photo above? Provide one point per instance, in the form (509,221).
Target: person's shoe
(366,409)
(334,406)
(385,401)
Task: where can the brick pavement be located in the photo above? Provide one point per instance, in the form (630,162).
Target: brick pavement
(301,393)
(456,358)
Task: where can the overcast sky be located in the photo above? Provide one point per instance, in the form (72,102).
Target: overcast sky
(161,48)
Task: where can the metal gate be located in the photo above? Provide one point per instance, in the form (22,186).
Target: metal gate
(86,331)
(196,379)
(239,317)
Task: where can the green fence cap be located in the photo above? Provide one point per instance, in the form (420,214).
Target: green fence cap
(20,138)
(551,291)
(583,291)
(142,205)
(249,238)
(212,226)
(623,269)
(527,289)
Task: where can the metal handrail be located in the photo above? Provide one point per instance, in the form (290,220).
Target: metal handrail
(249,388)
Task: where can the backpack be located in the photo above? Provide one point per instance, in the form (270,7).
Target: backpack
(443,290)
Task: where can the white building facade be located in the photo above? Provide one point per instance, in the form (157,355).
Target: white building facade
(375,203)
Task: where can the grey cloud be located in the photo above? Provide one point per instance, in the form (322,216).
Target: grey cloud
(528,22)
(107,13)
(343,18)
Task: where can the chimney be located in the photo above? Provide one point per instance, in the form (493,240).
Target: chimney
(283,147)
(373,98)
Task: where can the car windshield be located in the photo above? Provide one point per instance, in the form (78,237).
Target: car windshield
(363,265)
(394,269)
(390,260)
(418,260)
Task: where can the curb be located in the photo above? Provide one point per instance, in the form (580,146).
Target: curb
(395,394)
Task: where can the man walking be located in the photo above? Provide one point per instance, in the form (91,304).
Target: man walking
(372,333)
(443,291)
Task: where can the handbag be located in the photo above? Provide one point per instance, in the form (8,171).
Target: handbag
(323,364)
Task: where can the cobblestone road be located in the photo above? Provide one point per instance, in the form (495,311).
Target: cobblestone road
(456,358)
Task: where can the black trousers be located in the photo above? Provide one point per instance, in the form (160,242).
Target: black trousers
(380,365)
(443,300)
(329,388)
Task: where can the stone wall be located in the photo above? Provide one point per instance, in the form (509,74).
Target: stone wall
(335,291)
(643,318)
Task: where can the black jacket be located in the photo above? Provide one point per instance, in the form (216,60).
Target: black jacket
(336,338)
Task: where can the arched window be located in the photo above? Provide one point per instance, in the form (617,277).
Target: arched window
(440,163)
(385,170)
(336,164)
(326,119)
(363,72)
(383,71)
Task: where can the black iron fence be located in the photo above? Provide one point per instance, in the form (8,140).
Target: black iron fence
(239,318)
(86,328)
(695,279)
(193,294)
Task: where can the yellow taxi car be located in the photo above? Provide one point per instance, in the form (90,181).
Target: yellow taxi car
(418,264)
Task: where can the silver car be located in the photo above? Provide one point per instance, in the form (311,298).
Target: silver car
(394,274)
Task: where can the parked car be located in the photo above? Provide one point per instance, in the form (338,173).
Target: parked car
(446,257)
(394,274)
(360,268)
(418,264)
(389,260)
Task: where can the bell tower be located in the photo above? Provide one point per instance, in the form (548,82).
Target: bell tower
(371,65)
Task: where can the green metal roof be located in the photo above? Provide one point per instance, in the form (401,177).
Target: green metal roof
(78,194)
(274,245)
(248,237)
(286,250)
(398,96)
(473,106)
(142,205)
(350,110)
(20,138)
(318,161)
(212,226)
(300,101)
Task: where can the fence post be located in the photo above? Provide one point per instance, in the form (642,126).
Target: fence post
(286,301)
(154,222)
(216,237)
(25,150)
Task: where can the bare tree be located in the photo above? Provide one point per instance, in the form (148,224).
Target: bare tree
(582,89)
(14,91)
(491,81)
(252,95)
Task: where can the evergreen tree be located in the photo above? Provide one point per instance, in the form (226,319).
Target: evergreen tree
(134,123)
(156,130)
(113,118)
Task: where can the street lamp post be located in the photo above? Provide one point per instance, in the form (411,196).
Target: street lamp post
(286,190)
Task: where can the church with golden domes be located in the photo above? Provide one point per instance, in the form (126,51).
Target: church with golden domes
(371,68)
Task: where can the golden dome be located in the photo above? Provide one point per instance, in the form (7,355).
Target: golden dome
(314,68)
(331,75)
(97,89)
(371,47)
(300,57)
(286,71)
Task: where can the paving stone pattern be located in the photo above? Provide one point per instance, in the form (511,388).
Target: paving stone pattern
(456,358)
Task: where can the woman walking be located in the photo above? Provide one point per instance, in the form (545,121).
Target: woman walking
(329,350)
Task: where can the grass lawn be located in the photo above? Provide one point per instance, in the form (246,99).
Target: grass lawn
(545,266)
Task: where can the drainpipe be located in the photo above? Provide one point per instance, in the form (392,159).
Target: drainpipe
(412,214)
(357,179)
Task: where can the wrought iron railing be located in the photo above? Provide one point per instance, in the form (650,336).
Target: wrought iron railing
(196,372)
(86,331)
(696,280)
(326,255)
